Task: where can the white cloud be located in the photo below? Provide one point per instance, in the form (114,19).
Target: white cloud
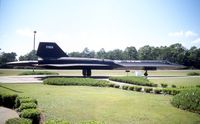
(186,34)
(176,34)
(196,41)
(190,34)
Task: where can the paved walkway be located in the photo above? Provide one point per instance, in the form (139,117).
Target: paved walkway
(6,114)
(21,79)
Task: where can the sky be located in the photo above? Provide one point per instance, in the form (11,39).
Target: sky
(96,24)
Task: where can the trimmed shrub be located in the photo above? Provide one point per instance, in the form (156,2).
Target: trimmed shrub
(32,114)
(38,73)
(148,90)
(17,101)
(56,122)
(157,91)
(188,100)
(134,80)
(175,91)
(173,86)
(139,89)
(167,91)
(164,85)
(29,105)
(198,86)
(1,100)
(116,86)
(18,121)
(111,85)
(193,74)
(131,88)
(8,100)
(76,81)
(125,87)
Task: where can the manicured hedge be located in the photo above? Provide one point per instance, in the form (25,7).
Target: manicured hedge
(19,100)
(116,86)
(131,88)
(157,91)
(171,91)
(32,114)
(164,85)
(8,100)
(148,90)
(18,121)
(29,105)
(134,80)
(125,87)
(38,73)
(76,81)
(139,89)
(193,74)
(188,100)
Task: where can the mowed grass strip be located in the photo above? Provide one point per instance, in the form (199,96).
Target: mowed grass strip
(112,106)
(178,81)
(76,81)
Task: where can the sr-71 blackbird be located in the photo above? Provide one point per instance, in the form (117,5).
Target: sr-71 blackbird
(51,56)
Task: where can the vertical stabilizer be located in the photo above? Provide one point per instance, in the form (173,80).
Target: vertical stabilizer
(50,50)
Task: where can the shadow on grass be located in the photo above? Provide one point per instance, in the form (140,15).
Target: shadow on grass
(11,89)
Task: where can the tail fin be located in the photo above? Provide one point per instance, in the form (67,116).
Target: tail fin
(50,50)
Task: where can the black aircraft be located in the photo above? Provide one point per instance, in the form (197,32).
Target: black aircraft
(51,56)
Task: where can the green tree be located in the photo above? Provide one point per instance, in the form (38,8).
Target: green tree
(130,53)
(29,56)
(7,57)
(146,53)
(101,54)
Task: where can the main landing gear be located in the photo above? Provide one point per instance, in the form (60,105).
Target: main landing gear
(86,72)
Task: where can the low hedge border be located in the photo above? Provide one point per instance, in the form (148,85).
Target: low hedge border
(18,121)
(134,80)
(76,81)
(25,105)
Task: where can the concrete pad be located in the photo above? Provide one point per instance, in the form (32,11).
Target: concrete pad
(6,114)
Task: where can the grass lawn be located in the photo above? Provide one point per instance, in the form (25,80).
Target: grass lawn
(182,81)
(112,106)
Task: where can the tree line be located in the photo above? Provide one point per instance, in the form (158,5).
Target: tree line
(175,53)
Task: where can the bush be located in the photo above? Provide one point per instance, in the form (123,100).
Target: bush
(76,81)
(38,73)
(198,86)
(125,87)
(164,85)
(193,74)
(171,91)
(131,88)
(1,100)
(111,85)
(116,86)
(18,121)
(173,86)
(134,80)
(157,91)
(20,100)
(56,122)
(188,100)
(32,114)
(148,90)
(17,101)
(138,89)
(8,100)
(29,105)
